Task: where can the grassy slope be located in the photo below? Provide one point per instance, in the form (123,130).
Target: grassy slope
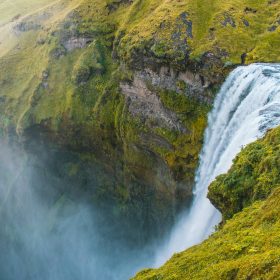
(248,245)
(9,9)
(246,248)
(209,34)
(12,11)
(137,27)
(256,171)
(22,67)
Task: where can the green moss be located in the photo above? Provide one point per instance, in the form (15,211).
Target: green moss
(183,157)
(254,174)
(89,63)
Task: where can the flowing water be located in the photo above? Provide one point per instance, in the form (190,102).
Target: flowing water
(247,105)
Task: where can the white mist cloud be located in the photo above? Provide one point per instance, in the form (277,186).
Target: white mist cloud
(46,235)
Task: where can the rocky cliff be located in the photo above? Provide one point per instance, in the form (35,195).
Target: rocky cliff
(126,86)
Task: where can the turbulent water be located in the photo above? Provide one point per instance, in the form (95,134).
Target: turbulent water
(247,105)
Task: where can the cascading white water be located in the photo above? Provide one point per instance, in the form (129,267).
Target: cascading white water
(247,105)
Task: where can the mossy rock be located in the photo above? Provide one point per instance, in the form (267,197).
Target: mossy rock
(253,176)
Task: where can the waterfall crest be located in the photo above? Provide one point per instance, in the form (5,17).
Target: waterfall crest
(247,105)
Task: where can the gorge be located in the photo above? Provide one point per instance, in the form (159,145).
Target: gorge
(118,118)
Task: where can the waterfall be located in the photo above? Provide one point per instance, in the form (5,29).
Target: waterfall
(247,105)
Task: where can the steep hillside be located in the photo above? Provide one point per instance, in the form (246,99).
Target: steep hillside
(247,245)
(127,86)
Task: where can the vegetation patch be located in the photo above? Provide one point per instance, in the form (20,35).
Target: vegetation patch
(253,176)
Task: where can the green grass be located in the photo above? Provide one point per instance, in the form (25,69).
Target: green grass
(140,29)
(11,13)
(253,176)
(10,9)
(144,29)
(82,89)
(247,247)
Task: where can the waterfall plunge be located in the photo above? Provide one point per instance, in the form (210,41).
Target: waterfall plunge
(247,105)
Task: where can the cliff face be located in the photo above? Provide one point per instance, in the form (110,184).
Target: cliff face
(126,85)
(247,245)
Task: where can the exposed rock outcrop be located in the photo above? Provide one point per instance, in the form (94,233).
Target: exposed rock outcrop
(145,104)
(76,43)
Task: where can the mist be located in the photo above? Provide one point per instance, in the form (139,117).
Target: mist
(52,232)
